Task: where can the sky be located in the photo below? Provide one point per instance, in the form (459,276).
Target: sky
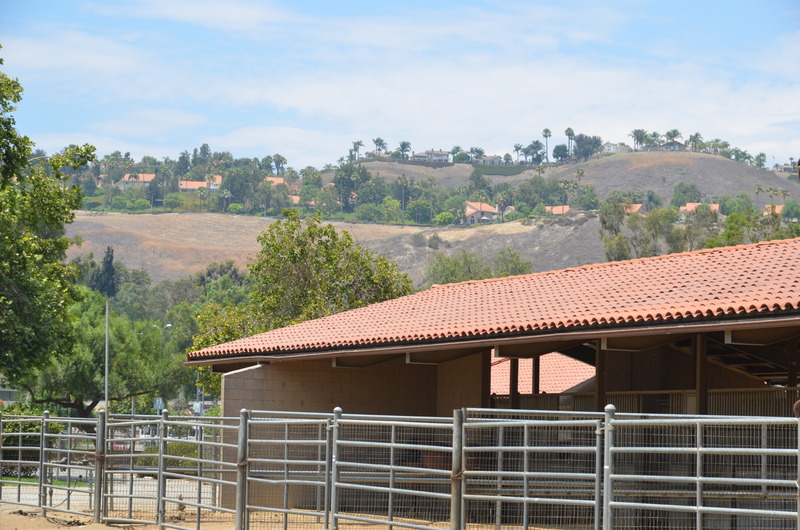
(306,79)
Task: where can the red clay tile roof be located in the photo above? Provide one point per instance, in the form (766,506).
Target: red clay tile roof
(557,373)
(753,280)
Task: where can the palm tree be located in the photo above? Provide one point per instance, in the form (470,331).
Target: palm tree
(695,140)
(405,147)
(357,145)
(225,195)
(579,174)
(380,144)
(656,138)
(279,162)
(570,134)
(639,138)
(546,133)
(759,189)
(672,135)
(518,150)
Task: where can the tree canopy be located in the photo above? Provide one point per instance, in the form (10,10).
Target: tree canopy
(35,204)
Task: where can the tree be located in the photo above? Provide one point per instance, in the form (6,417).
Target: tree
(586,146)
(357,145)
(547,134)
(570,134)
(518,149)
(137,362)
(685,192)
(305,270)
(35,204)
(104,279)
(380,144)
(561,152)
(672,135)
(695,140)
(463,266)
(405,147)
(509,262)
(639,138)
(420,211)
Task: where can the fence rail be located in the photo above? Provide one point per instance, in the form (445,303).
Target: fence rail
(482,468)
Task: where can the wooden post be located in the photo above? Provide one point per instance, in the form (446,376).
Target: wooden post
(791,355)
(513,383)
(599,378)
(536,370)
(701,373)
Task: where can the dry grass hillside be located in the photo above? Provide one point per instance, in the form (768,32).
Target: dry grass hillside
(172,246)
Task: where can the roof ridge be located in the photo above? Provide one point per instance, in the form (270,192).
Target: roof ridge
(632,260)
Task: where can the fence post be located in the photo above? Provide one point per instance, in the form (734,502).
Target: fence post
(457,476)
(242,471)
(608,467)
(334,521)
(42,456)
(99,467)
(161,487)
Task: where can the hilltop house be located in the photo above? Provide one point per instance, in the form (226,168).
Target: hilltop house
(135,180)
(672,145)
(212,184)
(479,212)
(435,157)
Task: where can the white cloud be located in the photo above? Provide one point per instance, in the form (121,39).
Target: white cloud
(148,123)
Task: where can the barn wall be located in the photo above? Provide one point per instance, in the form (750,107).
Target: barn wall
(391,387)
(461,383)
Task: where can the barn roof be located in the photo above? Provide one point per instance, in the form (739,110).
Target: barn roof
(743,282)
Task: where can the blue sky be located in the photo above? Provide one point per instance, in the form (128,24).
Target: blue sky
(307,78)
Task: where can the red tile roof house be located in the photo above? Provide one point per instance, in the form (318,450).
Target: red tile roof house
(479,212)
(710,331)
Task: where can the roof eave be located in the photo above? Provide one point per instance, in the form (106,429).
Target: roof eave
(483,342)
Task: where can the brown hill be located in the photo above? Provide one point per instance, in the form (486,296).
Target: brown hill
(172,246)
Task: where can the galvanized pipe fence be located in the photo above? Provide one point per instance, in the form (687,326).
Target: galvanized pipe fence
(482,468)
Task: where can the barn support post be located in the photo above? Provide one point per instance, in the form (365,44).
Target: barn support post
(513,383)
(242,470)
(600,377)
(701,372)
(791,355)
(457,476)
(99,468)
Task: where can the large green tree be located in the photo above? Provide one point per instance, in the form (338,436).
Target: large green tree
(35,204)
(139,364)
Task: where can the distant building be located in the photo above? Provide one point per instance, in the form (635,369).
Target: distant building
(135,180)
(673,145)
(211,184)
(432,156)
(635,208)
(692,206)
(557,210)
(479,212)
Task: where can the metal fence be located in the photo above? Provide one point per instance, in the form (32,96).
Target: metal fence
(482,468)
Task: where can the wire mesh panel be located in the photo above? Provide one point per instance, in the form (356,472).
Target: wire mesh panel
(20,457)
(169,470)
(531,473)
(68,465)
(393,471)
(288,471)
(705,473)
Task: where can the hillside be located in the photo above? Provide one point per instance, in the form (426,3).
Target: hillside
(658,171)
(172,246)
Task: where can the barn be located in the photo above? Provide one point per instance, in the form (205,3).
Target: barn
(706,332)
